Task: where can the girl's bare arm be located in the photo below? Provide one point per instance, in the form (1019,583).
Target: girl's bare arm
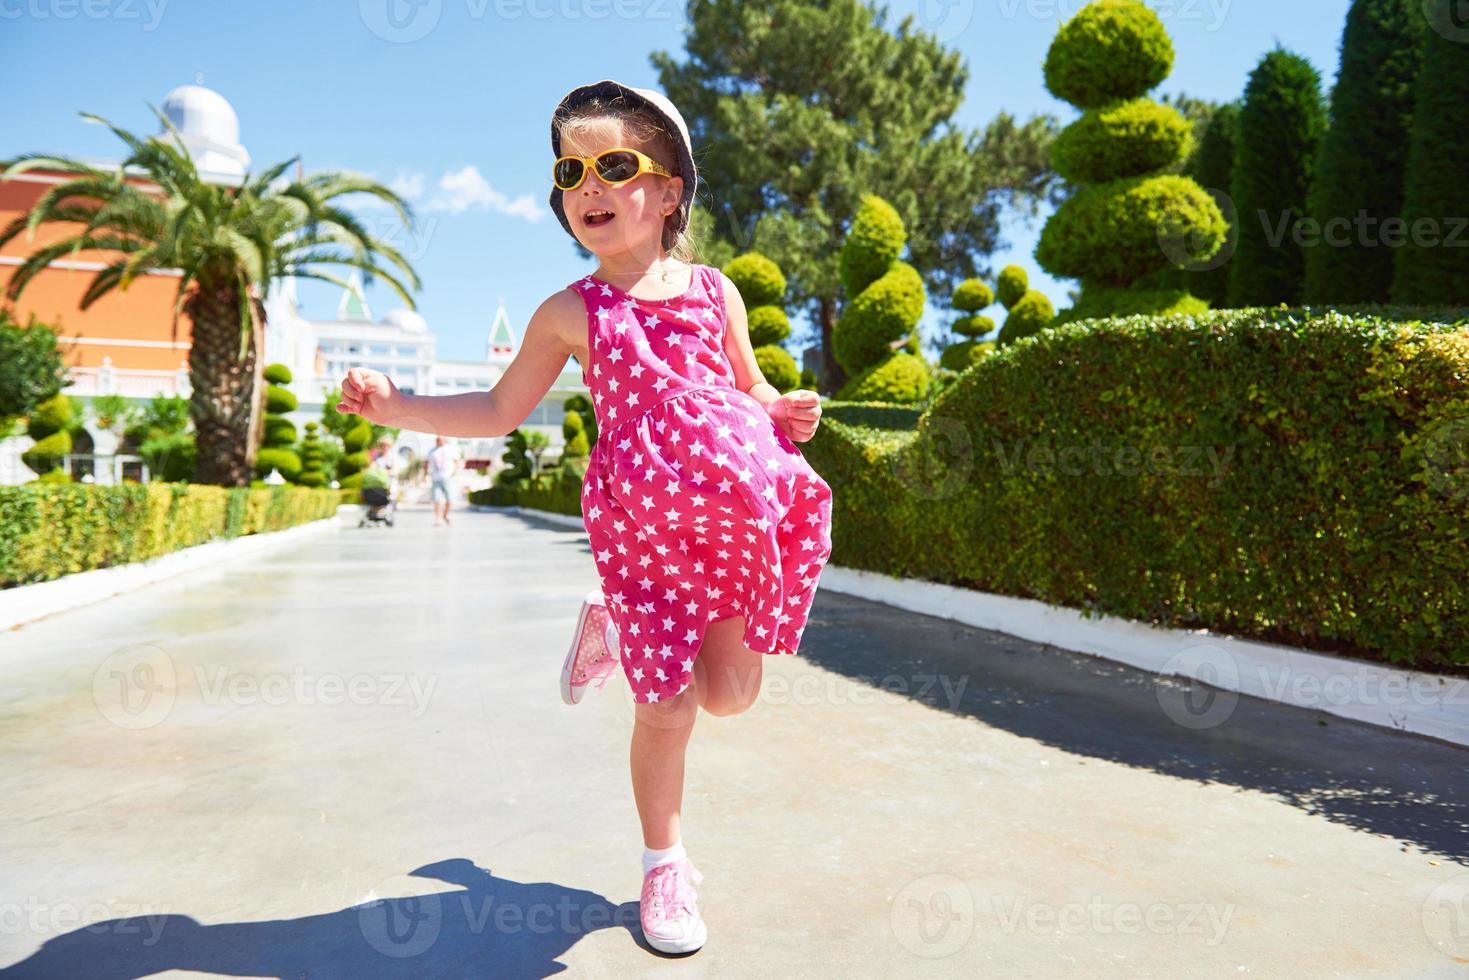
(497,412)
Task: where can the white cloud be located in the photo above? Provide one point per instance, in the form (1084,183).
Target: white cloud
(466,189)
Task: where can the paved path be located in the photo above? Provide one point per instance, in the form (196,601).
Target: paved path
(348,759)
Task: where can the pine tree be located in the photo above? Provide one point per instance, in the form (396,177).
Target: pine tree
(1360,170)
(1433,265)
(1280,129)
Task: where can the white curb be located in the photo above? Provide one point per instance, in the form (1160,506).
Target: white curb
(1377,694)
(25,603)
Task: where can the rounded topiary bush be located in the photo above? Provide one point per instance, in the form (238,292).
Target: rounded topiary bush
(1098,302)
(50,416)
(277,374)
(1110,50)
(778,366)
(1031,313)
(758,278)
(768,325)
(900,377)
(972,295)
(974,325)
(1121,140)
(1113,234)
(282,459)
(875,241)
(46,454)
(883,311)
(279,400)
(279,431)
(1012,284)
(965,354)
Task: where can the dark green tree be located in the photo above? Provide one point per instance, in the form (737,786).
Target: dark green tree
(1359,172)
(313,471)
(1280,128)
(31,368)
(1212,165)
(1433,266)
(798,108)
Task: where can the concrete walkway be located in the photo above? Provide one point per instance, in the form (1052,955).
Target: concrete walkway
(348,759)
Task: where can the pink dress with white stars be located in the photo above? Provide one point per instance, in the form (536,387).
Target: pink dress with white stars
(697,507)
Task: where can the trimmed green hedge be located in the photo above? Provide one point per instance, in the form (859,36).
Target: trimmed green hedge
(557,490)
(47,531)
(1288,475)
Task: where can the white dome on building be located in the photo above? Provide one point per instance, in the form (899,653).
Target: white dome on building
(209,128)
(405,319)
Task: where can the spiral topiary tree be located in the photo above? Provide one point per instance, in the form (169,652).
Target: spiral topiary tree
(517,459)
(1030,310)
(313,473)
(50,425)
(1127,219)
(970,296)
(876,338)
(354,457)
(279,433)
(581,405)
(762,286)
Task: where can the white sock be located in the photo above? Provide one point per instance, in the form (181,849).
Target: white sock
(652,859)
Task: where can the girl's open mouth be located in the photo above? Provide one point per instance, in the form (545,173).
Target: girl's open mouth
(598,217)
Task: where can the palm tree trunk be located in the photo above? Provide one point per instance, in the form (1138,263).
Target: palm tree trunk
(227,388)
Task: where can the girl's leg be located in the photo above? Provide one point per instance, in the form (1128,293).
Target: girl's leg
(726,681)
(727,673)
(660,734)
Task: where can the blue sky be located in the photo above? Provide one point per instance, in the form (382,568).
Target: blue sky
(450,100)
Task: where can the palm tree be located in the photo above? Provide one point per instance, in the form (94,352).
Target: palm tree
(228,242)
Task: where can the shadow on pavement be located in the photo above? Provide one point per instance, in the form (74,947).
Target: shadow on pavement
(488,927)
(1402,786)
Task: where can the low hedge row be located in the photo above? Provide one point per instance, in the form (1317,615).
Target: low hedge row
(1290,475)
(557,490)
(47,531)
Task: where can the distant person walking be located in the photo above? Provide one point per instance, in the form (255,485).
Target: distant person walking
(443,463)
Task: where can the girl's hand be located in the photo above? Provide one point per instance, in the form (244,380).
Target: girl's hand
(370,394)
(796,413)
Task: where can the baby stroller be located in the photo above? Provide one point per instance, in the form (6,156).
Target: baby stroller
(378,505)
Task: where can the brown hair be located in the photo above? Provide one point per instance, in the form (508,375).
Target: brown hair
(648,133)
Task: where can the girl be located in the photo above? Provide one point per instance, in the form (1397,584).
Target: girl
(708,528)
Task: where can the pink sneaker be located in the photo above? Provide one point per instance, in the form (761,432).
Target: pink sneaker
(593,653)
(670,915)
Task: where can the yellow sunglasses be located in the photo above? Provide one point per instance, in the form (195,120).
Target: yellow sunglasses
(615,166)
